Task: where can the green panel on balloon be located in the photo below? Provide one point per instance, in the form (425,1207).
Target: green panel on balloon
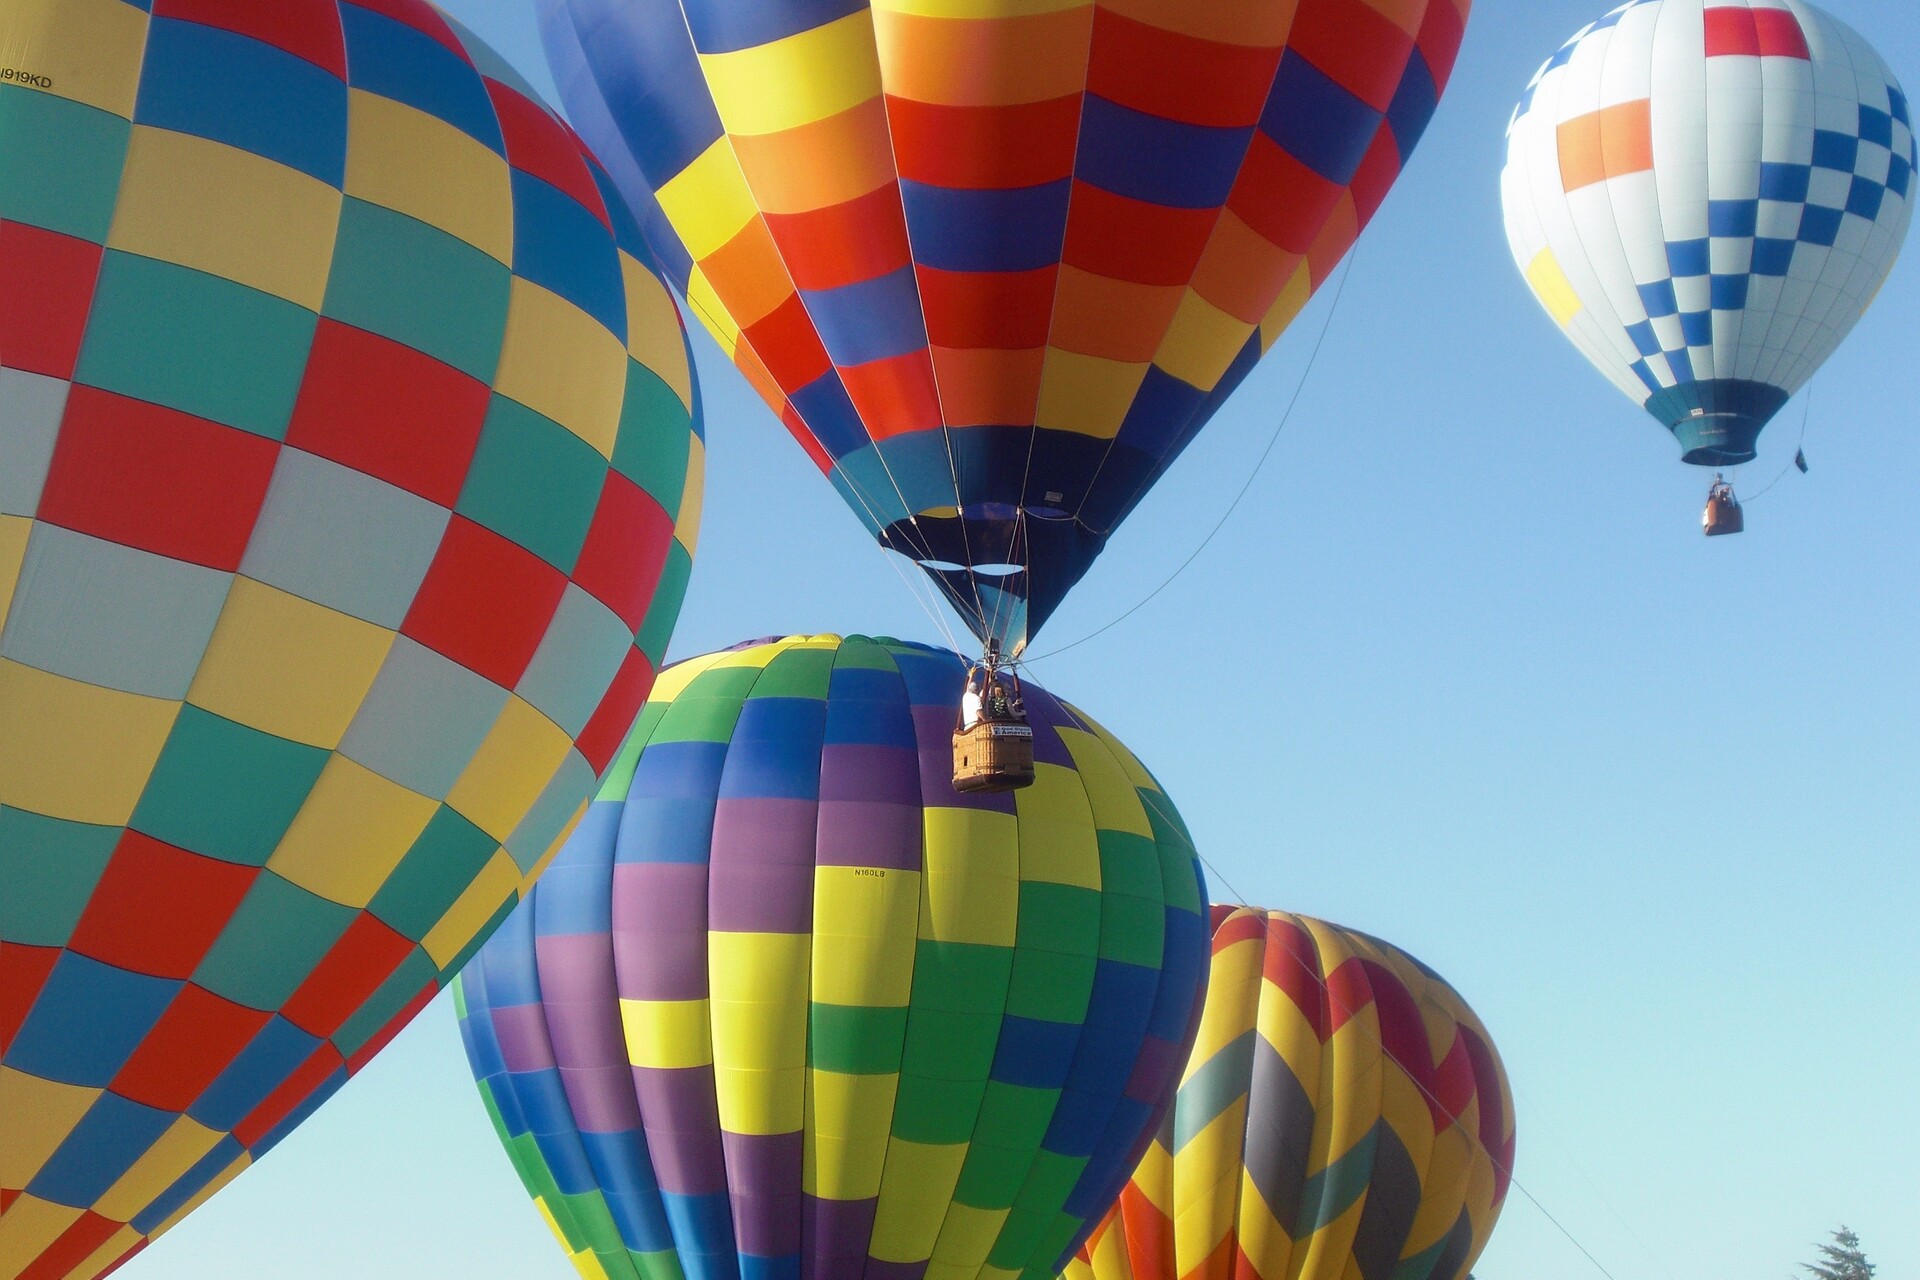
(404,280)
(196,343)
(975,1029)
(65,158)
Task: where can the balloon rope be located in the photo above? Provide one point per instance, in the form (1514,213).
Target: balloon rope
(1806,412)
(1286,415)
(1431,1097)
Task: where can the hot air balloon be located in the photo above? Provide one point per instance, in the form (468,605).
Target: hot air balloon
(1706,195)
(994,265)
(349,475)
(789,1005)
(1343,1115)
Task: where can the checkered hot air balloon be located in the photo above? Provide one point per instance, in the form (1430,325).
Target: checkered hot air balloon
(1343,1117)
(789,1005)
(1706,195)
(349,475)
(995,263)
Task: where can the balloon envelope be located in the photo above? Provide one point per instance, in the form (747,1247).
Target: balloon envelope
(348,479)
(789,1005)
(1706,195)
(994,265)
(1343,1115)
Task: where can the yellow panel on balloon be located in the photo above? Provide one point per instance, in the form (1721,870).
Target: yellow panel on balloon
(77,751)
(708,201)
(846,1128)
(227,212)
(263,634)
(1058,840)
(406,160)
(521,754)
(865,922)
(561,362)
(1087,395)
(972,863)
(667,1034)
(89,50)
(919,1181)
(350,808)
(796,80)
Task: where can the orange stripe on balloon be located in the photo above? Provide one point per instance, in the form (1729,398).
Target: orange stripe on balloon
(1610,143)
(1242,272)
(1096,315)
(747,274)
(895,395)
(819,164)
(983,62)
(982,387)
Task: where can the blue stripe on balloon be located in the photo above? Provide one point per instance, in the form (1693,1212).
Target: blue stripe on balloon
(986,229)
(1156,160)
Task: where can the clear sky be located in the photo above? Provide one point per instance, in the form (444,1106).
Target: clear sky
(1460,672)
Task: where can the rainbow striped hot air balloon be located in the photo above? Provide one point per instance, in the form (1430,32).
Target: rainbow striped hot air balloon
(789,1005)
(349,474)
(1343,1115)
(994,264)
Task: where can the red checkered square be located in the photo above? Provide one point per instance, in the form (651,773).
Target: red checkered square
(1280,197)
(1441,31)
(308,29)
(625,551)
(383,408)
(23,971)
(197,1038)
(540,145)
(157,479)
(845,243)
(1378,171)
(1181,77)
(608,726)
(1355,45)
(365,956)
(785,342)
(486,602)
(47,282)
(75,1245)
(1135,240)
(157,909)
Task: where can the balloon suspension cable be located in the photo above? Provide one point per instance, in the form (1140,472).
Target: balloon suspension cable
(1806,413)
(914,585)
(1286,415)
(1432,1098)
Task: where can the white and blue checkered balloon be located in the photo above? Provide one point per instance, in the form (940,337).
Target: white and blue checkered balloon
(1706,195)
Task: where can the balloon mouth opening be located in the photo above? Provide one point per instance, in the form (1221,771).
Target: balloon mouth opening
(1712,457)
(1718,439)
(979,570)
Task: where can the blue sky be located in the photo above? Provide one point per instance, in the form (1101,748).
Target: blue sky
(1460,672)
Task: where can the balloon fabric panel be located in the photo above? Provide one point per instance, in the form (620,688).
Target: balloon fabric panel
(1706,195)
(1343,1114)
(786,1004)
(994,266)
(349,479)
